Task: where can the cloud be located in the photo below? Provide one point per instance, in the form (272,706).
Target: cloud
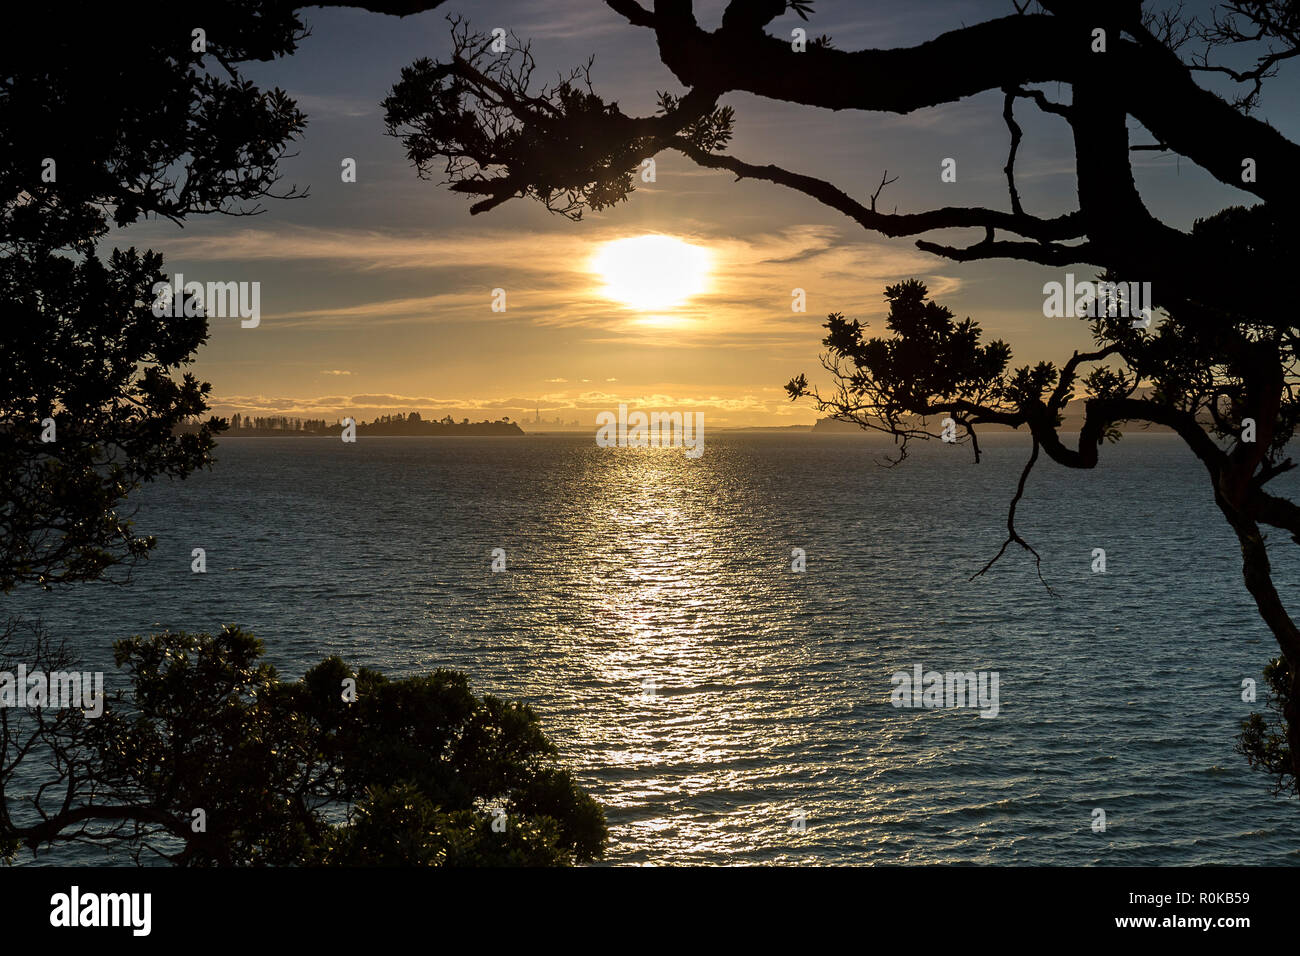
(363,250)
(337,107)
(549,283)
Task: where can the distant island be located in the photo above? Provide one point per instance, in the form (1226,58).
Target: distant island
(413,424)
(835,426)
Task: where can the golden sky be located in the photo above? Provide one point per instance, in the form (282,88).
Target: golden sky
(376,296)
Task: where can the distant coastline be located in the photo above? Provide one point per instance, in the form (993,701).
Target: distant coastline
(1071,422)
(408,425)
(414,425)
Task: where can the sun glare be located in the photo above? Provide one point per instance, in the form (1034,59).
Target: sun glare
(651,272)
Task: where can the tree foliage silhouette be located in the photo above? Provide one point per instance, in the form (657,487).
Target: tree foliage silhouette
(165,131)
(211,759)
(127,115)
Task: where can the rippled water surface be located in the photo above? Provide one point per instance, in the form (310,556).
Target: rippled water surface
(627,566)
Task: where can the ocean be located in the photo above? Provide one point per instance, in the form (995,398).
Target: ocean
(726,709)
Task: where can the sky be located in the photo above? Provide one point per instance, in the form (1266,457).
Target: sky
(376,296)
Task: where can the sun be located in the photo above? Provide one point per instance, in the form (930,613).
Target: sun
(651,272)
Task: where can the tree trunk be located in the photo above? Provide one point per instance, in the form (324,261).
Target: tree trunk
(1258,574)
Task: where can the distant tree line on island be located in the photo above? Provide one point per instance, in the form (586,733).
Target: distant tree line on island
(263,423)
(398,424)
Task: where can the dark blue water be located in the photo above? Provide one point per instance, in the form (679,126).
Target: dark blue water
(630,570)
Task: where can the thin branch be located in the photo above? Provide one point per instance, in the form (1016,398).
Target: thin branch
(1068,226)
(884,181)
(1013,536)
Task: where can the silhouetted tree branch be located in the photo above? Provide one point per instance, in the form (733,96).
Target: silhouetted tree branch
(1225,350)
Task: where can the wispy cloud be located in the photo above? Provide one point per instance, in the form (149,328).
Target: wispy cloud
(548,280)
